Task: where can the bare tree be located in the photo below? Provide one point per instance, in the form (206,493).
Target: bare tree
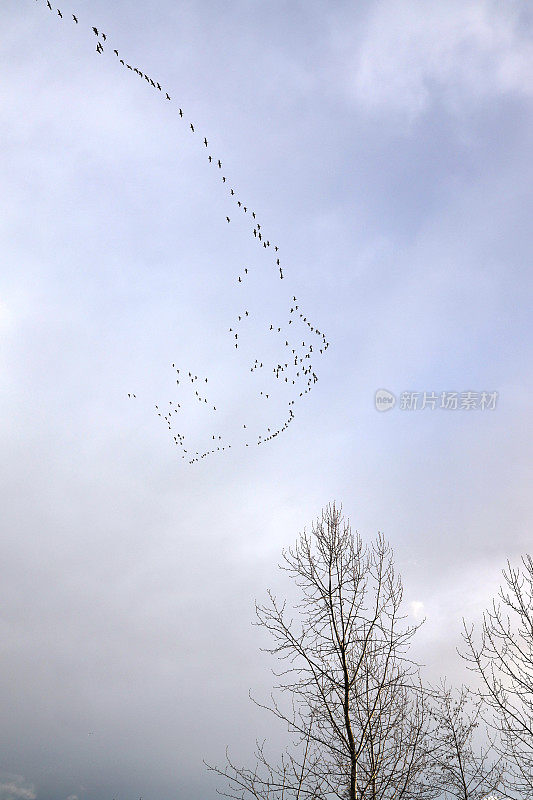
(462,771)
(357,709)
(503,659)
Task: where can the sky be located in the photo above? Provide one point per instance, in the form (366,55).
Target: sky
(386,150)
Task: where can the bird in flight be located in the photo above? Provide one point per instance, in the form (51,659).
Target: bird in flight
(95,31)
(181,112)
(74,17)
(168,96)
(192,127)
(205,141)
(59,13)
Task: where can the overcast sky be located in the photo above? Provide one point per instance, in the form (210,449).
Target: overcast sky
(386,150)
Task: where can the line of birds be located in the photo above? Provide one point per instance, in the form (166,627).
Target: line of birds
(299,370)
(256,227)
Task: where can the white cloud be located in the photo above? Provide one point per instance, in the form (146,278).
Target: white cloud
(460,51)
(417,609)
(15,787)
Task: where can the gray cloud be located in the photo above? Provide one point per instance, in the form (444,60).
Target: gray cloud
(15,787)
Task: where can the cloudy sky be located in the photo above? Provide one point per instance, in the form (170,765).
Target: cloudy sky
(386,149)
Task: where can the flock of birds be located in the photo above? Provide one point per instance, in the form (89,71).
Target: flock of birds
(294,368)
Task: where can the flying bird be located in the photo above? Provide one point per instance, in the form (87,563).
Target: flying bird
(168,96)
(74,17)
(116,53)
(59,13)
(95,31)
(181,112)
(205,141)
(192,127)
(227,218)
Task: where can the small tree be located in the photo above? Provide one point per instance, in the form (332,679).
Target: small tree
(358,711)
(503,659)
(461,771)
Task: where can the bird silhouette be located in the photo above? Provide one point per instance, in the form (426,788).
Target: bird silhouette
(181,112)
(205,141)
(116,53)
(74,17)
(192,127)
(95,31)
(227,219)
(59,13)
(168,96)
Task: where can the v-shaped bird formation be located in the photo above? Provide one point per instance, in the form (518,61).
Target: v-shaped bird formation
(294,367)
